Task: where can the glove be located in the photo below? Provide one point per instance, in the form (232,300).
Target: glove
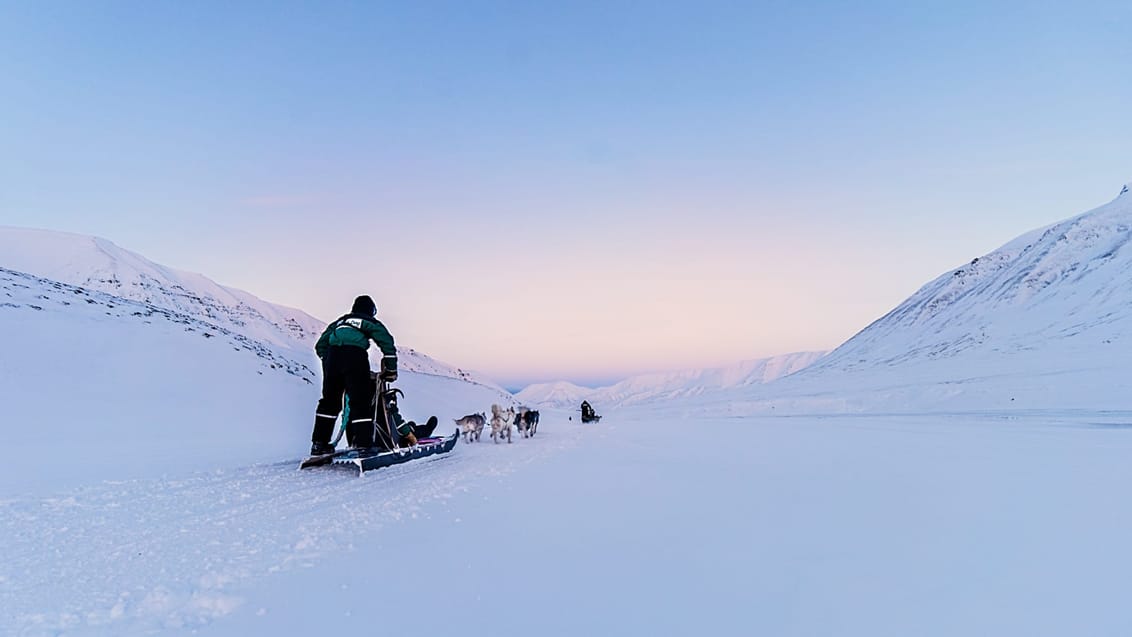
(411,439)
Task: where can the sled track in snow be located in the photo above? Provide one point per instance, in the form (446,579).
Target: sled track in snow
(166,553)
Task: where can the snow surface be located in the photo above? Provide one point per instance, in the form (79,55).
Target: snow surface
(843,525)
(667,385)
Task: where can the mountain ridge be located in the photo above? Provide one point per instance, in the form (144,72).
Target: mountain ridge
(98,264)
(668,385)
(1072,268)
(1042,323)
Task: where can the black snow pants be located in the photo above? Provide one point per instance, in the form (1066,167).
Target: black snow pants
(346,369)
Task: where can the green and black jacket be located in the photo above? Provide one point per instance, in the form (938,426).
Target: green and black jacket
(357,330)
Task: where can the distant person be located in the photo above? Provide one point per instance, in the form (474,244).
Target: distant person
(588,414)
(345,368)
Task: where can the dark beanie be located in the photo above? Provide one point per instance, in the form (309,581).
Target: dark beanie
(364,305)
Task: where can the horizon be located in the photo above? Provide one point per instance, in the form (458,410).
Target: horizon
(582,193)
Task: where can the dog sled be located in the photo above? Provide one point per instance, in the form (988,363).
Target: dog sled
(388,449)
(588,413)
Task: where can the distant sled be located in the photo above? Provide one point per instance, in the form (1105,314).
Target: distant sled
(588,413)
(368,460)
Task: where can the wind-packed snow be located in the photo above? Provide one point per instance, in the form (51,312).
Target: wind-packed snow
(668,385)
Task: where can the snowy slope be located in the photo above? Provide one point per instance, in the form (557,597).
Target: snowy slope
(1043,322)
(117,387)
(99,265)
(1070,282)
(668,385)
(416,362)
(183,373)
(114,386)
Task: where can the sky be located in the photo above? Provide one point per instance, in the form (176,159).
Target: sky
(581,190)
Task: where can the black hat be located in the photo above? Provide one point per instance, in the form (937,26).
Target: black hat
(364,305)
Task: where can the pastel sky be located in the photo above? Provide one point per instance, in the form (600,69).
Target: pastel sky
(578,190)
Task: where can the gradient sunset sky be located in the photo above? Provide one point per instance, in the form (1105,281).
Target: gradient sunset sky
(574,190)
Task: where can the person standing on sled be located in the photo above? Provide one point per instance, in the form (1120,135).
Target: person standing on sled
(343,349)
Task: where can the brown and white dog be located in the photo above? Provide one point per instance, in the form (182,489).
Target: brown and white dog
(472,426)
(501,423)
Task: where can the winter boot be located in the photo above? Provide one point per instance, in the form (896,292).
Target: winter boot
(321,449)
(426,430)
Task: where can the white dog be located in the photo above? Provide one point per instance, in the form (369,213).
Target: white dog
(501,423)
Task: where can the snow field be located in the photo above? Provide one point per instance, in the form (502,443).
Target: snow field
(926,524)
(160,554)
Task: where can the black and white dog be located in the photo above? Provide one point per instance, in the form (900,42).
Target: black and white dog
(526,421)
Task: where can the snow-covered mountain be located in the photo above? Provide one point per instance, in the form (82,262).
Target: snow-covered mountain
(128,354)
(561,393)
(96,264)
(1043,322)
(88,375)
(99,265)
(668,385)
(1068,283)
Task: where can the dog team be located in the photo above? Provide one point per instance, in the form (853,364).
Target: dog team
(523,419)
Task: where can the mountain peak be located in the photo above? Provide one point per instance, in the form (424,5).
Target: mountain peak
(99,264)
(1061,285)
